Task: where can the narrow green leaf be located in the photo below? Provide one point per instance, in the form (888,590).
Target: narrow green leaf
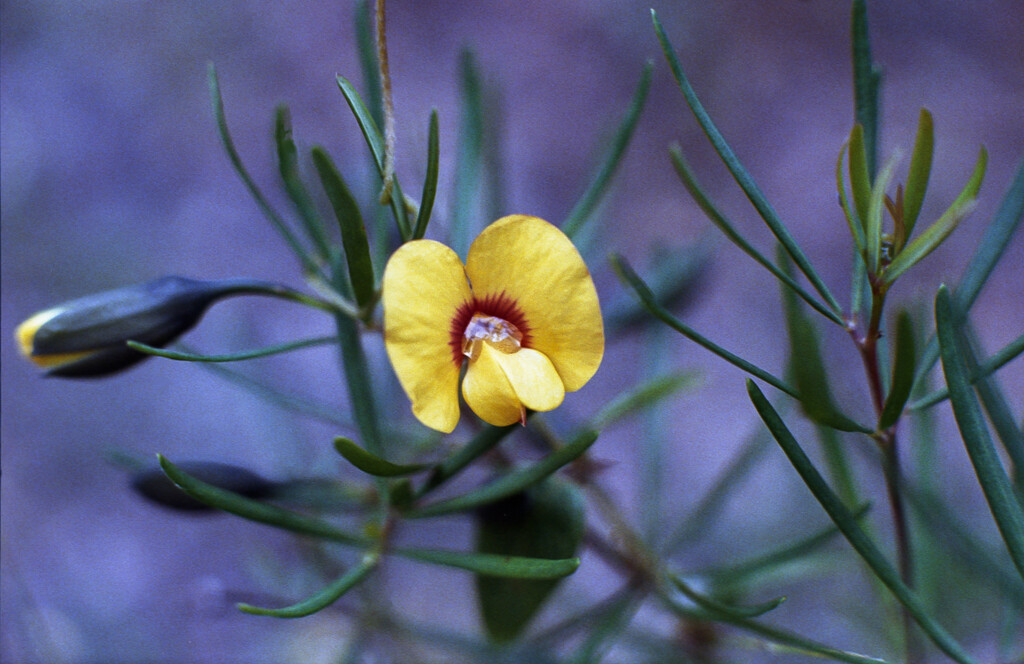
(546,521)
(920,170)
(469,159)
(1009,352)
(585,206)
(232,357)
(261,201)
(371,463)
(369,67)
(430,181)
(629,277)
(719,607)
(866,79)
(288,165)
(322,599)
(808,368)
(353,231)
(360,387)
(1002,418)
(995,484)
(854,220)
(513,567)
(873,221)
(723,224)
(636,400)
(925,243)
(254,510)
(846,523)
(510,483)
(781,637)
(860,178)
(904,366)
(376,143)
(675,274)
(740,174)
(997,237)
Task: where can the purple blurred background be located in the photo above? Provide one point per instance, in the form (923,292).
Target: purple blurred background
(112,174)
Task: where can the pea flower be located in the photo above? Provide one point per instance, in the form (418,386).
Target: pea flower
(522,314)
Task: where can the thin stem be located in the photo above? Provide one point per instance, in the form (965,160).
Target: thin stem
(389,107)
(886,440)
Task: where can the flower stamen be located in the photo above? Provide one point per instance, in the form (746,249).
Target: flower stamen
(498,332)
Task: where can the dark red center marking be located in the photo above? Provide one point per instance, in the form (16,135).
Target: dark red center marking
(501,306)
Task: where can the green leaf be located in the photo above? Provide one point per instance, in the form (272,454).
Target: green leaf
(718,607)
(629,277)
(638,399)
(288,165)
(920,170)
(430,181)
(512,482)
(675,275)
(925,243)
(488,564)
(719,220)
(371,463)
(740,174)
(353,231)
(232,357)
(545,521)
(866,79)
(904,365)
(357,379)
(254,510)
(376,143)
(322,599)
(469,159)
(781,637)
(808,368)
(584,207)
(855,535)
(995,484)
(853,219)
(873,221)
(261,202)
(997,237)
(860,178)
(368,65)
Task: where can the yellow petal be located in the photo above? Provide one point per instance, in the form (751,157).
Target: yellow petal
(424,285)
(537,266)
(487,391)
(532,376)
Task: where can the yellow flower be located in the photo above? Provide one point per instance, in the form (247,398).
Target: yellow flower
(523,313)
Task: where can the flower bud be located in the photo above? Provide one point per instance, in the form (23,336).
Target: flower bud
(87,337)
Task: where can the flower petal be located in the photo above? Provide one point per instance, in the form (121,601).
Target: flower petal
(423,287)
(488,392)
(533,378)
(537,266)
